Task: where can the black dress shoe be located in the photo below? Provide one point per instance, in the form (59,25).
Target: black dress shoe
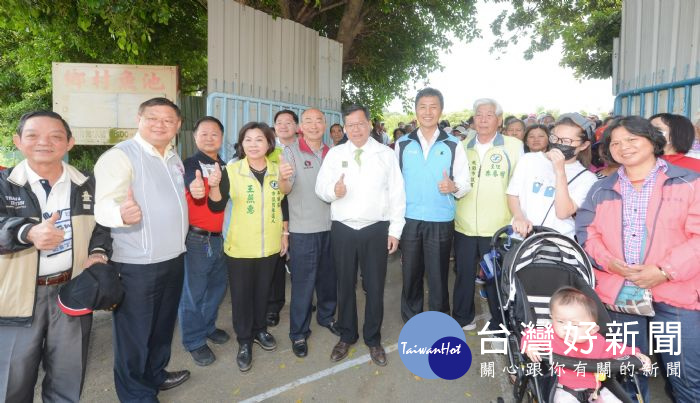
(173,379)
(378,355)
(300,348)
(244,359)
(266,341)
(219,336)
(273,319)
(333,328)
(203,356)
(340,351)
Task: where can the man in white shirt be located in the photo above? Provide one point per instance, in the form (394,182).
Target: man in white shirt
(47,236)
(362,181)
(436,174)
(140,194)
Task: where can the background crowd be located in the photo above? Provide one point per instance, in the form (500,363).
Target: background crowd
(625,188)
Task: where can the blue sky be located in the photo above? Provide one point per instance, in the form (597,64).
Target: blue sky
(520,85)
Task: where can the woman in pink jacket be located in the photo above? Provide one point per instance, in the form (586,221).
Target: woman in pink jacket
(641,227)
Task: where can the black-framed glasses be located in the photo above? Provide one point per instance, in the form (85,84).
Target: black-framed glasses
(557,140)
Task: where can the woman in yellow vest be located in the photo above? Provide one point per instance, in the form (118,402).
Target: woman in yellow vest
(253,235)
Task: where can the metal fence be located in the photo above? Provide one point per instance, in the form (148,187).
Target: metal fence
(677,97)
(234,111)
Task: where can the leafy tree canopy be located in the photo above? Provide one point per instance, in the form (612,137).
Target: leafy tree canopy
(586,27)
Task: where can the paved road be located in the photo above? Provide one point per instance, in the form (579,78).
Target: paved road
(280,376)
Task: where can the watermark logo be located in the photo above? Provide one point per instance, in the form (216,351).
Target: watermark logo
(432,345)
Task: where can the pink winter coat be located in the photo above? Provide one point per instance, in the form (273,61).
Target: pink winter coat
(673,241)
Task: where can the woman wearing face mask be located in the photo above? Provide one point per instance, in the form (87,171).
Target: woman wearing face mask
(548,187)
(679,134)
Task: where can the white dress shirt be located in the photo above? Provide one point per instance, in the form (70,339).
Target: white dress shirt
(375,189)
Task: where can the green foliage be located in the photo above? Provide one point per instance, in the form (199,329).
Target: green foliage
(35,33)
(586,27)
(397,46)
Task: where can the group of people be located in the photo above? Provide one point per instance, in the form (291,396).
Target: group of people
(175,231)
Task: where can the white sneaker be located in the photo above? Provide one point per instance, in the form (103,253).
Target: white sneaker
(470,326)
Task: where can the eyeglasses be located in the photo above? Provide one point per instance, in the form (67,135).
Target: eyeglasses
(566,142)
(166,122)
(354,126)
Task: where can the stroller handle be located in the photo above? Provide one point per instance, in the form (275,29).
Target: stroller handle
(591,364)
(508,231)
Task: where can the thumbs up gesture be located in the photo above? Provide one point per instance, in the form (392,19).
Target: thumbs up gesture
(130,210)
(197,186)
(446,185)
(215,176)
(46,236)
(340,189)
(286,169)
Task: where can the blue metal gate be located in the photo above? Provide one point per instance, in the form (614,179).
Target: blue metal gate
(234,111)
(675,97)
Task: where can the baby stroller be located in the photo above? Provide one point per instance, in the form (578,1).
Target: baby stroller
(527,273)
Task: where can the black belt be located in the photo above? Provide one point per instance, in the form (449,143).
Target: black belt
(200,231)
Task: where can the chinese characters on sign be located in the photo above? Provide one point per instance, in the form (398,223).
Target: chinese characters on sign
(100,101)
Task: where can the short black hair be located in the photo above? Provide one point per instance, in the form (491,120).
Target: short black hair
(288,112)
(42,113)
(430,92)
(208,119)
(267,131)
(567,295)
(682,132)
(160,101)
(637,126)
(354,108)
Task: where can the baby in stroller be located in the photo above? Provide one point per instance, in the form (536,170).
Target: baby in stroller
(575,334)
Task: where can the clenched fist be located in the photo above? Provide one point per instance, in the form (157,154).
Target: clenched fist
(340,189)
(286,169)
(215,176)
(197,186)
(130,210)
(46,236)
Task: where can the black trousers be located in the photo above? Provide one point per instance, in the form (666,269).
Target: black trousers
(250,281)
(469,251)
(143,326)
(368,248)
(275,301)
(425,247)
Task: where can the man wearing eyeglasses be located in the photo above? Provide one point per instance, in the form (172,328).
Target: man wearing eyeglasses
(140,195)
(492,159)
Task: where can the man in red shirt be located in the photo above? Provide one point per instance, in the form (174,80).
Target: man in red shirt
(205,270)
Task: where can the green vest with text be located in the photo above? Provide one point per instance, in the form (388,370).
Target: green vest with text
(484,210)
(254,227)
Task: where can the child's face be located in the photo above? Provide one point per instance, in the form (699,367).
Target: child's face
(576,318)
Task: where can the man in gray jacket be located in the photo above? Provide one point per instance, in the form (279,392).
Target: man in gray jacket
(140,195)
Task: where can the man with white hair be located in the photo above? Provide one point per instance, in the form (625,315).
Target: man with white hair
(492,159)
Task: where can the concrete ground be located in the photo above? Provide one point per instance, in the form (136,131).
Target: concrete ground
(280,376)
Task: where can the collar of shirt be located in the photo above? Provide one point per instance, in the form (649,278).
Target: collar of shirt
(424,141)
(369,146)
(151,149)
(661,166)
(33,178)
(201,157)
(305,148)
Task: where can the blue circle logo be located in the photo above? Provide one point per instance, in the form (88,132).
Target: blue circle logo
(432,345)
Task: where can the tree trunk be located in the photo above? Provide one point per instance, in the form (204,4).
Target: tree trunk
(285,8)
(350,25)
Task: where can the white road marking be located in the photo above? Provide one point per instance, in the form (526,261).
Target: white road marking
(314,377)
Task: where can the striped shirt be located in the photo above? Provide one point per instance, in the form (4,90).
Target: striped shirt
(634,212)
